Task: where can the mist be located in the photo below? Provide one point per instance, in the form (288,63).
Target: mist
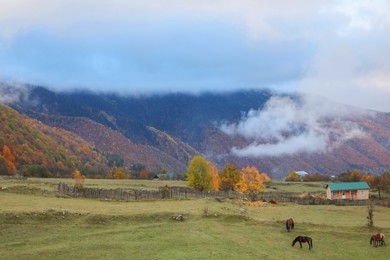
(288,126)
(14,93)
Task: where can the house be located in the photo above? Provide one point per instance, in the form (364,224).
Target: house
(347,190)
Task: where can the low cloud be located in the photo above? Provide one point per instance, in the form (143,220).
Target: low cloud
(14,94)
(287,126)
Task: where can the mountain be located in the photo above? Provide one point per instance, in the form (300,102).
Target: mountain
(59,151)
(110,141)
(165,131)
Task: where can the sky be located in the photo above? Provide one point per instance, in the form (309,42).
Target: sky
(335,49)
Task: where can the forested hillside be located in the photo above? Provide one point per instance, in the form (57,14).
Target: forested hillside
(33,148)
(169,154)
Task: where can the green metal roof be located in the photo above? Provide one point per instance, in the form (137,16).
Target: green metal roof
(349,186)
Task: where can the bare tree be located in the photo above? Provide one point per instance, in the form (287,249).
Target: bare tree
(370,216)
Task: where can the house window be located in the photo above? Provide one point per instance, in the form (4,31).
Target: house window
(362,192)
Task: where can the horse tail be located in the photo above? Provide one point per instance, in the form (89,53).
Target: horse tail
(311,242)
(292,224)
(372,239)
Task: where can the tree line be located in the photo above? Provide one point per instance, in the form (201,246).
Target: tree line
(203,175)
(380,183)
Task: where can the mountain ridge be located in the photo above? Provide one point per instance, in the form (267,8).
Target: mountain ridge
(195,120)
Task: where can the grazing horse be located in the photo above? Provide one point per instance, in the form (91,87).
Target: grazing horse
(302,239)
(289,224)
(378,239)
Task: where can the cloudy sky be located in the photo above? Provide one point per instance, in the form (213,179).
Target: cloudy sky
(338,49)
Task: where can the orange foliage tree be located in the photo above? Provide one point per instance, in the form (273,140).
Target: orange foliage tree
(215,181)
(144,174)
(85,148)
(250,182)
(78,178)
(368,178)
(265,177)
(7,161)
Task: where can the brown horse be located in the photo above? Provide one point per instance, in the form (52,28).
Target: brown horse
(289,224)
(302,239)
(378,239)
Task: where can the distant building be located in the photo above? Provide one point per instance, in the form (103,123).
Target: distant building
(164,176)
(347,190)
(301,174)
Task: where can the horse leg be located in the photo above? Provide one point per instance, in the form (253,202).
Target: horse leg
(300,243)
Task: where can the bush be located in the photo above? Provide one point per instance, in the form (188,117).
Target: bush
(39,171)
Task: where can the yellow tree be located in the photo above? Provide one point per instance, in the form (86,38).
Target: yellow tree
(198,174)
(119,173)
(250,182)
(230,175)
(293,176)
(215,181)
(78,178)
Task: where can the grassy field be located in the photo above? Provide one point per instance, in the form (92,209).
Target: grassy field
(35,224)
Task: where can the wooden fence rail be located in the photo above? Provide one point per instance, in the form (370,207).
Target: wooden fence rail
(188,193)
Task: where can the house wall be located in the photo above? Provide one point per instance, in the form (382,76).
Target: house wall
(348,194)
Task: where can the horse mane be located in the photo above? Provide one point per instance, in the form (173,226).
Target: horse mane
(296,240)
(303,239)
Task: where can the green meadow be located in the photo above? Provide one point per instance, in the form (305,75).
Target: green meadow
(38,223)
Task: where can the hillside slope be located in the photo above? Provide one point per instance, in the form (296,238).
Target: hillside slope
(60,151)
(174,156)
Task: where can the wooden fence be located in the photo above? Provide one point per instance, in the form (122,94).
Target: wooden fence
(136,194)
(188,193)
(292,197)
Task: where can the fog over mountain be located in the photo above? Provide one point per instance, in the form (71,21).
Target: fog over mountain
(285,127)
(276,133)
(335,49)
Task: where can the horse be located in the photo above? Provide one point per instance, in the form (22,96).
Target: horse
(378,239)
(302,239)
(289,224)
